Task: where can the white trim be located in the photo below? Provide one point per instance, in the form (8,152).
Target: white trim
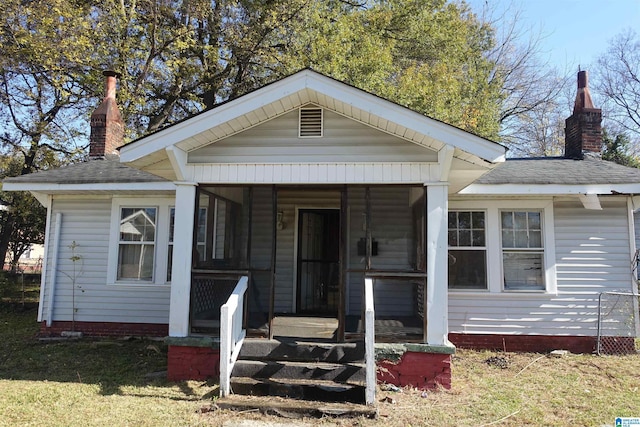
(178,160)
(316,173)
(105,186)
(494,249)
(185,204)
(54,269)
(590,201)
(549,189)
(632,252)
(437,254)
(161,243)
(43,273)
(445,160)
(42,198)
(302,82)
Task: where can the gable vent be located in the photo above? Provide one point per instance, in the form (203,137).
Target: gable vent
(310,124)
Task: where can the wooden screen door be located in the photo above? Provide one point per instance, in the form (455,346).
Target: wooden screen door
(318,281)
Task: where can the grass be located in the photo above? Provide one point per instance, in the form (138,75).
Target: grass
(105,382)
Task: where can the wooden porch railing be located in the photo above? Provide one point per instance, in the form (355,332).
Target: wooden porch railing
(369,342)
(232,333)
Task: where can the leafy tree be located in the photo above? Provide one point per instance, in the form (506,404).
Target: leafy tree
(617,150)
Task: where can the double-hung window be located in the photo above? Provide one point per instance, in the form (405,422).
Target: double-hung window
(136,246)
(139,252)
(522,250)
(467,250)
(501,246)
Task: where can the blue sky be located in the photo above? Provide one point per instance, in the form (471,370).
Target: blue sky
(575,31)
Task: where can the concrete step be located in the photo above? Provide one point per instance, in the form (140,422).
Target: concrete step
(345,373)
(302,351)
(300,389)
(295,408)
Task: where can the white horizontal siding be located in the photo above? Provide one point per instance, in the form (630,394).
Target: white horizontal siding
(592,256)
(87,221)
(344,140)
(314,173)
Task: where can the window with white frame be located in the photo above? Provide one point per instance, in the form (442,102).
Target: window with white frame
(138,253)
(522,250)
(136,246)
(501,246)
(467,250)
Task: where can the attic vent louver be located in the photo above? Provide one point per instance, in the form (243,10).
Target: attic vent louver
(310,123)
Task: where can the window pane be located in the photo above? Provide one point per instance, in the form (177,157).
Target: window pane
(523,271)
(453,238)
(507,220)
(520,220)
(452,219)
(507,239)
(478,237)
(464,220)
(535,239)
(522,239)
(534,220)
(169,262)
(135,262)
(138,224)
(467,269)
(477,220)
(172,220)
(464,237)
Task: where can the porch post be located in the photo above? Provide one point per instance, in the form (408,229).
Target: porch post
(437,274)
(182,255)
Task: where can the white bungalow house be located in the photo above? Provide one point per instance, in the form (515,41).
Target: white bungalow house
(337,206)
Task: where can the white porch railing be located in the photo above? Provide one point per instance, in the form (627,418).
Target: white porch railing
(369,342)
(232,333)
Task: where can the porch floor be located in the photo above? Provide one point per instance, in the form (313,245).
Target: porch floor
(396,329)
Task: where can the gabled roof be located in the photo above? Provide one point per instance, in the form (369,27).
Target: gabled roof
(557,175)
(297,90)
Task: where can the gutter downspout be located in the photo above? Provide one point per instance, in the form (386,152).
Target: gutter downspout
(54,267)
(43,272)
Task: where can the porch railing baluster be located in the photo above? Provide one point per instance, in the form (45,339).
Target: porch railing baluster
(369,342)
(232,333)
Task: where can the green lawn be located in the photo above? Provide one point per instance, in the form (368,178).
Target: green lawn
(106,383)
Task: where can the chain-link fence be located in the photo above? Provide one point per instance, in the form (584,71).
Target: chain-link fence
(618,317)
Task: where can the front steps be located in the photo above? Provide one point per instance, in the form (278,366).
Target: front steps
(326,372)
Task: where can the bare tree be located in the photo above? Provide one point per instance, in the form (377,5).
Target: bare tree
(533,106)
(617,79)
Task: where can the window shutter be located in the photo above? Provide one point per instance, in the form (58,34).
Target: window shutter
(310,124)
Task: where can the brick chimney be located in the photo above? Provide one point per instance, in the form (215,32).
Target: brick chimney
(107,127)
(583,132)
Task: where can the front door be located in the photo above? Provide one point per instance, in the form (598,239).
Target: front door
(318,281)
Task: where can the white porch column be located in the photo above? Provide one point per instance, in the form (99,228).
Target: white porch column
(181,265)
(437,273)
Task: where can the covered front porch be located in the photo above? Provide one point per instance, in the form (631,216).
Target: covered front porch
(306,251)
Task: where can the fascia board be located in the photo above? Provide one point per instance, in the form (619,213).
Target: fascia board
(446,134)
(549,189)
(210,119)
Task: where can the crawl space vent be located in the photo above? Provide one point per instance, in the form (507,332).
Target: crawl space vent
(310,122)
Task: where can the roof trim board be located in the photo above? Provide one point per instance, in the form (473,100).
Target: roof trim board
(549,189)
(309,86)
(45,187)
